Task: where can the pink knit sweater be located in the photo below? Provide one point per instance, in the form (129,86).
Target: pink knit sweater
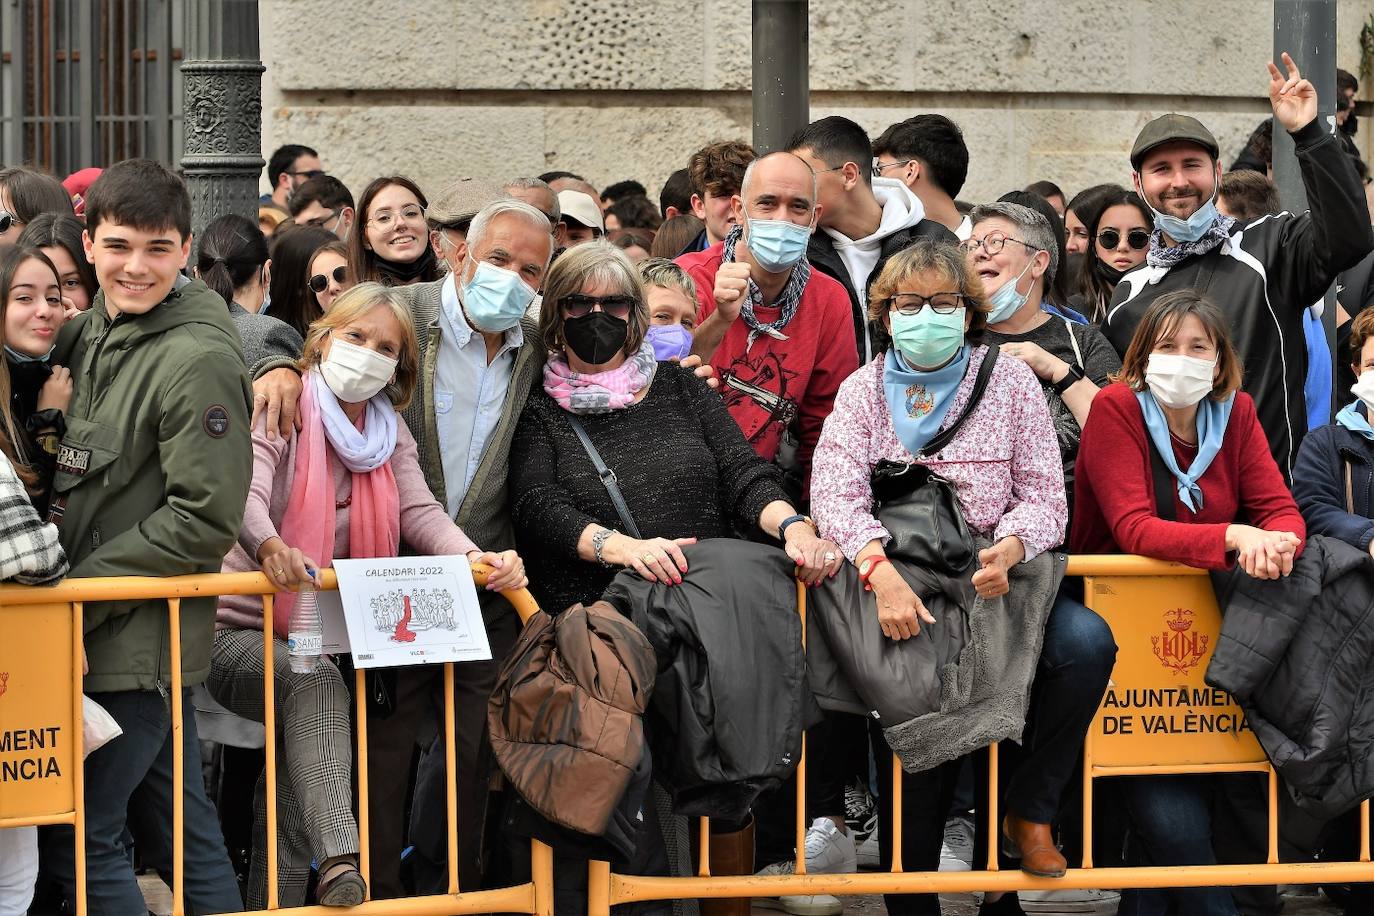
(425,528)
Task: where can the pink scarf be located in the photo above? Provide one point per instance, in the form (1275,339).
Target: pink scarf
(599,392)
(374,518)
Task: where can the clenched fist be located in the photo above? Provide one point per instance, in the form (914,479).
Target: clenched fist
(732,285)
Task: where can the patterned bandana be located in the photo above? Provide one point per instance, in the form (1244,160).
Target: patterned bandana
(788,299)
(599,392)
(1217,234)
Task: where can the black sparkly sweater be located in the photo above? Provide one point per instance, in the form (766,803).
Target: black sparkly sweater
(683,465)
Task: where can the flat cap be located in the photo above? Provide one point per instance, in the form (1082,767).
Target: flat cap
(461,201)
(1168,128)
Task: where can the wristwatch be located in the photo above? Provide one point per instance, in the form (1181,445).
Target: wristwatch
(49,442)
(599,542)
(1070,378)
(866,567)
(782,528)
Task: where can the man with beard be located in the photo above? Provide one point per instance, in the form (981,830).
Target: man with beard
(1263,275)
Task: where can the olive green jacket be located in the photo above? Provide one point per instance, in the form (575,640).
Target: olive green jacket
(153,473)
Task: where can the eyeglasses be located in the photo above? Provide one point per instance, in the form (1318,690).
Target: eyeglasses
(992,243)
(321,220)
(407,215)
(1136,238)
(308,174)
(578,305)
(320,282)
(879,166)
(6,221)
(910,304)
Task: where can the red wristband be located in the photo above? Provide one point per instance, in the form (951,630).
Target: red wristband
(872,563)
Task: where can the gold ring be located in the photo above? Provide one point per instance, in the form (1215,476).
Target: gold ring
(647,558)
(279,573)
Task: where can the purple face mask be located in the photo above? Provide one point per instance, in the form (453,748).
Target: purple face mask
(670,341)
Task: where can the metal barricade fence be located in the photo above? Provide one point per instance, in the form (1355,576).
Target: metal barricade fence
(57,611)
(1133,594)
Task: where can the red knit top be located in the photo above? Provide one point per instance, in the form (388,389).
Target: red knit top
(1114,503)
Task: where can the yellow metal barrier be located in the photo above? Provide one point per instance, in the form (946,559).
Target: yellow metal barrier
(1162,615)
(45,689)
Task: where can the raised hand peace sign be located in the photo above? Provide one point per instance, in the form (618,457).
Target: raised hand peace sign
(1294,98)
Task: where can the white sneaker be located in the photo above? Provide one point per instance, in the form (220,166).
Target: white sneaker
(1070,901)
(828,852)
(956,852)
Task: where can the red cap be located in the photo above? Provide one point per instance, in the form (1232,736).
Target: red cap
(77,184)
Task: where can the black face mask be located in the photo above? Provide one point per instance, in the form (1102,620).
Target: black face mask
(1108,272)
(596,337)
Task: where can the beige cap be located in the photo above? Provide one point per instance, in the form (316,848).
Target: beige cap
(581,209)
(460,202)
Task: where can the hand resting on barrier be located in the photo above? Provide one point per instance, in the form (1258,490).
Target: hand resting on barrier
(1262,554)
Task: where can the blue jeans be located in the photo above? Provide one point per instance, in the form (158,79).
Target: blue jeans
(1171,824)
(129,784)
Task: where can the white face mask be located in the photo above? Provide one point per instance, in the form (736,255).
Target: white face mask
(355,373)
(1179,381)
(1364,389)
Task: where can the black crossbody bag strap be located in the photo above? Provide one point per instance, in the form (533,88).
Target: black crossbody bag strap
(980,384)
(607,478)
(1164,483)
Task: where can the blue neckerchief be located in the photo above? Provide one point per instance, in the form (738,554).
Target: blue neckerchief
(1212,417)
(918,401)
(1353,418)
(16,357)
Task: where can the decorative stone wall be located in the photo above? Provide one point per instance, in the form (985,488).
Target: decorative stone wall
(615,89)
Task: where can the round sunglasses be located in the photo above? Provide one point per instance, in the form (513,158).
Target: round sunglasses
(319,283)
(1136,238)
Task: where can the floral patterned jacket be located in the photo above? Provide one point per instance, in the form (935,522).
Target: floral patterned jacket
(1004,463)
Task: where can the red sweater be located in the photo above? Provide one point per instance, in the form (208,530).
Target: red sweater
(1114,500)
(806,369)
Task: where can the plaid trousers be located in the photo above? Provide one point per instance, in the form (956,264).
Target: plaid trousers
(314,742)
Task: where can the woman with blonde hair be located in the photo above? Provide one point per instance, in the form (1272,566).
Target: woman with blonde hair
(348,485)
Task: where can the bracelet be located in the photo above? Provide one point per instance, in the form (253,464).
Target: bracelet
(783,526)
(599,543)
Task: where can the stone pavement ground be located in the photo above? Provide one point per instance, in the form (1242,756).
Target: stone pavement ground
(1296,904)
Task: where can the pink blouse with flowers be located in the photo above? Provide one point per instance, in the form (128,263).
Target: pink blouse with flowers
(1004,463)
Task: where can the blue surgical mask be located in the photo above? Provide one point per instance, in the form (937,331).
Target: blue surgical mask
(16,357)
(927,340)
(1006,300)
(776,244)
(1190,229)
(670,341)
(495,299)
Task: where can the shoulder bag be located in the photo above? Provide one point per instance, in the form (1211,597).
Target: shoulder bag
(607,478)
(919,508)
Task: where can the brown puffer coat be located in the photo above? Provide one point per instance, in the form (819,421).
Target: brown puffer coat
(566,717)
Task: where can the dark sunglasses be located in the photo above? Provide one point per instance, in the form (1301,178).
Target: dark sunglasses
(1136,238)
(6,220)
(319,283)
(578,305)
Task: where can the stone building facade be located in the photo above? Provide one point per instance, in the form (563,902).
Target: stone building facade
(613,89)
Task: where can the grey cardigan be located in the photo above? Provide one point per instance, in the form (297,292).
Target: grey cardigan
(483,515)
(266,341)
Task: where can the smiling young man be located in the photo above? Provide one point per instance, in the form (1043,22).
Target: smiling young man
(1263,274)
(152,479)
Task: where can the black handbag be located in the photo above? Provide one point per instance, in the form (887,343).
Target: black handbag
(919,508)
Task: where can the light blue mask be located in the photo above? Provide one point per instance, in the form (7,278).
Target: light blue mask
(776,244)
(927,339)
(495,299)
(16,357)
(266,302)
(1190,229)
(670,341)
(1006,301)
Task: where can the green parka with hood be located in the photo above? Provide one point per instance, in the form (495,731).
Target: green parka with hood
(153,473)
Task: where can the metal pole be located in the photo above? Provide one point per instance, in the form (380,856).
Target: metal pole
(781,94)
(1306,29)
(222,80)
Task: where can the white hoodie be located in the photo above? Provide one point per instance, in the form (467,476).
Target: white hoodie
(901,210)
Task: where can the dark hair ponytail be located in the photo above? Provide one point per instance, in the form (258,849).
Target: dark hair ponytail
(232,250)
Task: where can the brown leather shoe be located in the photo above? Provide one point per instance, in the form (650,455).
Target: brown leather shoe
(1034,845)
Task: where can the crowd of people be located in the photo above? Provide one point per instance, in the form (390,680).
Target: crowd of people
(819,363)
